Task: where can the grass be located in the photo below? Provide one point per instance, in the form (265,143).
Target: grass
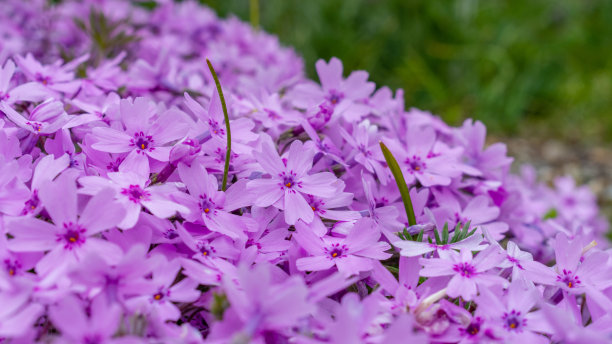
(513,64)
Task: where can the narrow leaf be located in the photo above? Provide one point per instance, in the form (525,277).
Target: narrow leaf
(464,231)
(445,234)
(438,241)
(228,153)
(401,183)
(456,233)
(420,237)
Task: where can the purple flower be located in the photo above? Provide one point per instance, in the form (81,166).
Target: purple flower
(512,313)
(45,119)
(213,207)
(365,152)
(142,132)
(419,161)
(467,273)
(133,192)
(575,273)
(164,292)
(260,303)
(350,255)
(78,326)
(70,237)
(289,181)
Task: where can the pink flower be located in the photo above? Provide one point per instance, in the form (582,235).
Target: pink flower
(70,237)
(289,181)
(467,272)
(350,255)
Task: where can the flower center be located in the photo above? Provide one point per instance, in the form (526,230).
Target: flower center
(206,250)
(141,141)
(35,125)
(72,235)
(159,295)
(215,128)
(569,279)
(465,269)
(206,204)
(289,180)
(415,164)
(336,251)
(272,114)
(31,204)
(45,80)
(513,321)
(170,234)
(12,267)
(135,193)
(473,329)
(335,97)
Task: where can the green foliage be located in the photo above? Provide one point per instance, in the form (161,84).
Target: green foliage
(460,233)
(219,305)
(511,64)
(108,37)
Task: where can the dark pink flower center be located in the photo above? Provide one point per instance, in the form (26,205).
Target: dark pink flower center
(135,193)
(272,114)
(45,80)
(288,181)
(206,250)
(72,236)
(35,125)
(160,295)
(336,251)
(207,206)
(415,165)
(335,97)
(142,142)
(513,321)
(215,128)
(465,269)
(170,234)
(473,328)
(12,267)
(31,204)
(569,279)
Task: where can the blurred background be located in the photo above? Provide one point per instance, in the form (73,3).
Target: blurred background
(537,73)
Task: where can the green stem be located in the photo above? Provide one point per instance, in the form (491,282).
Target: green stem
(401,183)
(227,125)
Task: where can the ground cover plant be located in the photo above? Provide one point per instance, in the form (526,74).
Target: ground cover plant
(171,177)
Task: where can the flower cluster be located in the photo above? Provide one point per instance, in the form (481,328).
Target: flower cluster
(138,204)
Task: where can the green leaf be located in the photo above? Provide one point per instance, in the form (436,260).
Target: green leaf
(456,233)
(438,241)
(228,153)
(219,305)
(401,183)
(464,231)
(445,234)
(393,269)
(551,214)
(420,237)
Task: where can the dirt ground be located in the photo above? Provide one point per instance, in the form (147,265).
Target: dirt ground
(588,163)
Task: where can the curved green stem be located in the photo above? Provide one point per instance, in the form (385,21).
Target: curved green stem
(401,183)
(228,153)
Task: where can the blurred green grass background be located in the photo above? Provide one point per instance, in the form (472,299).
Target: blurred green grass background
(523,67)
